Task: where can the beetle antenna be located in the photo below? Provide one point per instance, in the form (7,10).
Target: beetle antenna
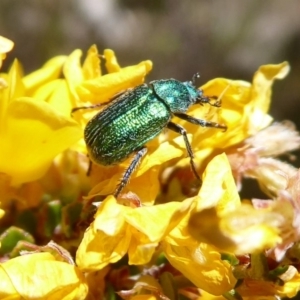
(218,101)
(195,77)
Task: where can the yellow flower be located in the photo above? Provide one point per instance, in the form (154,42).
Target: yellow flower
(32,132)
(244,110)
(86,83)
(291,287)
(35,110)
(97,89)
(226,224)
(6,46)
(200,262)
(244,230)
(118,230)
(146,287)
(40,276)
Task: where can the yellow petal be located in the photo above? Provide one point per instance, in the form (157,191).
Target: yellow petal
(244,230)
(220,219)
(202,265)
(2,213)
(252,230)
(40,276)
(145,181)
(109,217)
(160,154)
(147,186)
(73,72)
(156,221)
(106,240)
(118,229)
(44,92)
(140,254)
(6,45)
(14,89)
(72,68)
(219,188)
(32,136)
(105,87)
(57,94)
(261,93)
(51,70)
(290,288)
(111,63)
(60,99)
(200,262)
(7,289)
(244,110)
(232,113)
(91,66)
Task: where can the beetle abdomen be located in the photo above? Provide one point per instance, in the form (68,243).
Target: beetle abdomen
(125,125)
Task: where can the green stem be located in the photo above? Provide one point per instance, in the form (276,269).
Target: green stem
(259,266)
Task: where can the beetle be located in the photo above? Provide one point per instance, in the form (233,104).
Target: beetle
(138,115)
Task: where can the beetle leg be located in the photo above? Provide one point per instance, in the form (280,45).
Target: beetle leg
(207,99)
(119,94)
(200,122)
(179,129)
(88,107)
(102,103)
(89,170)
(128,172)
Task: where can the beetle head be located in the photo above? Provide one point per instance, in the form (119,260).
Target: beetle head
(199,97)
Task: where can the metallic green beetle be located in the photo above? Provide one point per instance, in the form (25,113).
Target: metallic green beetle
(137,116)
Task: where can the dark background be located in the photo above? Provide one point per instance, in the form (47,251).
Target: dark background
(217,38)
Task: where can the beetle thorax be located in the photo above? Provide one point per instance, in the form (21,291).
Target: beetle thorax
(177,95)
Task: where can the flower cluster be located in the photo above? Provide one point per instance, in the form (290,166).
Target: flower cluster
(63,234)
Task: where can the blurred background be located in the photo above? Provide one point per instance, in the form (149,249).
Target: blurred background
(217,38)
